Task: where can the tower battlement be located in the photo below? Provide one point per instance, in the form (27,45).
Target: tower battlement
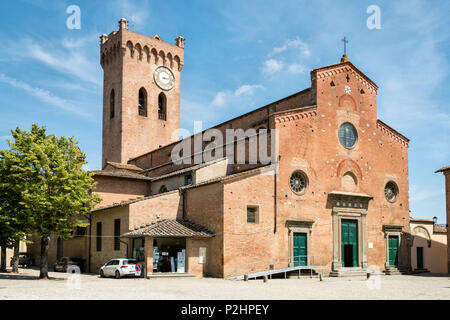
(141,94)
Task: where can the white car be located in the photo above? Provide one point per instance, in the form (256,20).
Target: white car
(119,268)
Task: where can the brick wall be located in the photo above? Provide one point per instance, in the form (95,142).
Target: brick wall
(204,205)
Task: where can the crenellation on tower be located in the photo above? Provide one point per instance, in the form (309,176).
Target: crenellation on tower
(142,78)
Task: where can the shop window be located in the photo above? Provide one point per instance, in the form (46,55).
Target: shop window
(138,249)
(169,255)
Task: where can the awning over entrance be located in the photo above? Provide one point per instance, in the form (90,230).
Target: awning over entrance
(171,228)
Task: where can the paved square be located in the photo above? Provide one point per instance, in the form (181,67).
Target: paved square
(27,286)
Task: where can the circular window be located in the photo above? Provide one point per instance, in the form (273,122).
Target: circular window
(298,182)
(348,135)
(391,191)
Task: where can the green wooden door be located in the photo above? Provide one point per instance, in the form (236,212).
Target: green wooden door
(300,249)
(393,250)
(349,243)
(419,257)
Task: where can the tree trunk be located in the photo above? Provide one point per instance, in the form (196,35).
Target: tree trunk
(3,259)
(15,260)
(44,257)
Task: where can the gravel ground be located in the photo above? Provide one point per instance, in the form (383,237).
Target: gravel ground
(27,286)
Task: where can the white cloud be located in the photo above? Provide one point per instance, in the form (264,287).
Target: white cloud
(297,68)
(43,95)
(247,89)
(135,12)
(272,66)
(219,99)
(73,62)
(230,97)
(294,43)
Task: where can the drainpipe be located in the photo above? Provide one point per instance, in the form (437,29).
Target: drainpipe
(275,177)
(90,240)
(183,195)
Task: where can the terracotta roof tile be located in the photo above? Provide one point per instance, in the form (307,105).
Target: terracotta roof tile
(130,201)
(443,169)
(171,228)
(441,228)
(126,166)
(120,174)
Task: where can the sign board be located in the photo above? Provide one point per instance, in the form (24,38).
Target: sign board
(202,255)
(138,268)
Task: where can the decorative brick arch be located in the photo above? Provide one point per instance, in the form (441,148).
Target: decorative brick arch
(421,230)
(346,101)
(349,165)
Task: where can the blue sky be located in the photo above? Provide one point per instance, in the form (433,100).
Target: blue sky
(239,55)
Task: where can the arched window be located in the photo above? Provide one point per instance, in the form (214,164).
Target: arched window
(163,189)
(162,106)
(142,102)
(112,99)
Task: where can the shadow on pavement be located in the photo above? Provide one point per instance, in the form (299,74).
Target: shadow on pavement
(430,275)
(24,276)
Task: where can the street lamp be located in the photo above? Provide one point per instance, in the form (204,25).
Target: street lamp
(434,219)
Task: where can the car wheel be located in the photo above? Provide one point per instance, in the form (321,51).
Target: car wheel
(102,274)
(117,274)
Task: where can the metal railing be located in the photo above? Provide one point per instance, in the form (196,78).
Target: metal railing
(281,264)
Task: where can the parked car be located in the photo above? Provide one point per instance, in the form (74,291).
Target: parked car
(118,268)
(64,263)
(24,259)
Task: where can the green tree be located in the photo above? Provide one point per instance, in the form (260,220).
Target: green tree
(54,192)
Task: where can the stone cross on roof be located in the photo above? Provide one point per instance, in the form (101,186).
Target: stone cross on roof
(345,44)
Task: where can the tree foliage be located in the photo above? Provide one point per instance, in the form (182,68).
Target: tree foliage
(44,189)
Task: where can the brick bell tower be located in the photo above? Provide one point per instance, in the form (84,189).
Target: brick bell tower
(141,92)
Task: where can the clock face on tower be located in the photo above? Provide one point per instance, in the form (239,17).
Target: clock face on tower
(164,78)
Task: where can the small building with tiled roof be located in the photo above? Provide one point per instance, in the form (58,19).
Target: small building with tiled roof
(428,242)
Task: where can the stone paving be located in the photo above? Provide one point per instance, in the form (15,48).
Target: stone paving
(89,286)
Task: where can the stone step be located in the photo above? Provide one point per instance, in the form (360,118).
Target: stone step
(393,270)
(349,272)
(157,275)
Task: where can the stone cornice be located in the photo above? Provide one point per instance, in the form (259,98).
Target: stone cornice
(295,114)
(383,127)
(344,67)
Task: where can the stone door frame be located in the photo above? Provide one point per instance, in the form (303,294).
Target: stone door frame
(392,230)
(359,216)
(299,226)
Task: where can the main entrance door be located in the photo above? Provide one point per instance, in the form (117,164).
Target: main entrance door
(393,250)
(349,243)
(300,249)
(419,257)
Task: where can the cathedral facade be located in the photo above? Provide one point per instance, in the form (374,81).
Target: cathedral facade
(335,196)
